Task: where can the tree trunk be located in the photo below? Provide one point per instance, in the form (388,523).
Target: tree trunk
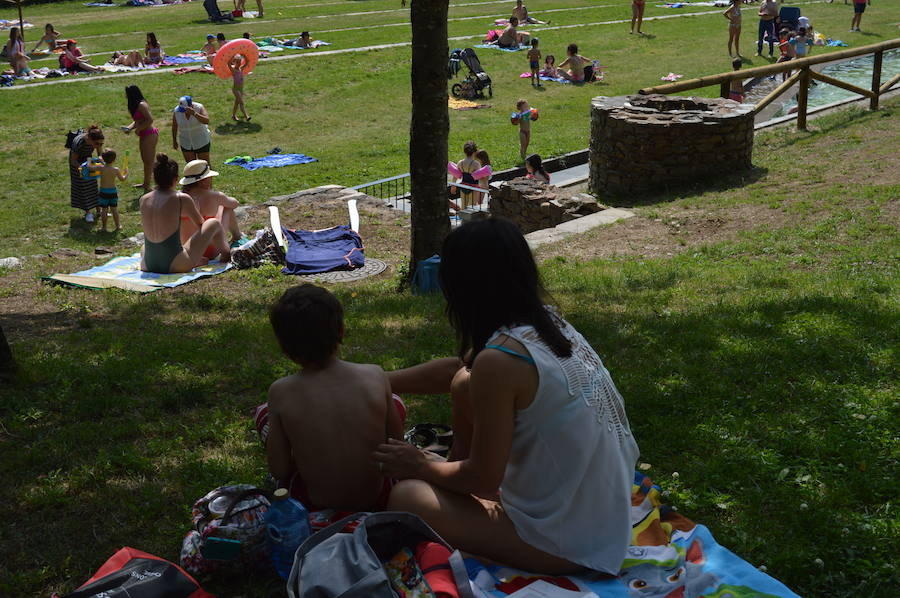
(429,129)
(7,364)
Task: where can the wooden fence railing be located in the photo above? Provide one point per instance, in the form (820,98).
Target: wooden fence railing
(803,75)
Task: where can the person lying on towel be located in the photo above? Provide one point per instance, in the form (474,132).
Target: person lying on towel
(162,211)
(322,423)
(542,463)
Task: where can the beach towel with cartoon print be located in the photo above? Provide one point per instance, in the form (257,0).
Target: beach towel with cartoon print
(670,557)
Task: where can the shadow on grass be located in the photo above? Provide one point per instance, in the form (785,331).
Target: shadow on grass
(120,424)
(239,127)
(712,183)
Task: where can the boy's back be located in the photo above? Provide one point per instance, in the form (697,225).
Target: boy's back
(329,421)
(108,176)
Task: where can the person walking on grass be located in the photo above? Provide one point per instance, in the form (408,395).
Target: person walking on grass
(142,125)
(733,14)
(237,66)
(534,61)
(768,13)
(637,15)
(859,7)
(109,194)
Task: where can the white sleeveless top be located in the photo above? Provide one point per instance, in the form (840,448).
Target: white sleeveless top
(567,485)
(192,134)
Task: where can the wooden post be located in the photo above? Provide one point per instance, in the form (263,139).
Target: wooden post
(724,89)
(801,99)
(21,21)
(876,81)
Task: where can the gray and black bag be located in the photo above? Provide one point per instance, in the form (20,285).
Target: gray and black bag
(332,564)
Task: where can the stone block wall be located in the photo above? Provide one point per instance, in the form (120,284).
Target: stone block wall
(645,144)
(535,206)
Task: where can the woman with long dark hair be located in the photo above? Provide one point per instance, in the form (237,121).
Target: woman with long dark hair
(142,125)
(14,51)
(543,457)
(84,190)
(162,211)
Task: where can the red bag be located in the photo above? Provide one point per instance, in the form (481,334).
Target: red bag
(138,574)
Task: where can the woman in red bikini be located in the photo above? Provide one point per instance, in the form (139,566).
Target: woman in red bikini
(142,124)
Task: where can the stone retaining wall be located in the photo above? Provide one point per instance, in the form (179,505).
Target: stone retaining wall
(535,206)
(646,144)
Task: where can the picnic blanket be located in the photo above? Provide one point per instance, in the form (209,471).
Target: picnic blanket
(124,272)
(271,161)
(99,4)
(562,80)
(458,104)
(8,24)
(270,44)
(187,58)
(670,556)
(496,47)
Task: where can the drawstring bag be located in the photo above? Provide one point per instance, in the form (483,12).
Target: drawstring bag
(134,573)
(229,531)
(332,564)
(426,278)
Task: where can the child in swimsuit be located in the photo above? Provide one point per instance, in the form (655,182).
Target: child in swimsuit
(786,49)
(153,51)
(237,66)
(320,468)
(534,61)
(733,14)
(109,195)
(550,67)
(736,89)
(524,117)
(50,36)
(535,167)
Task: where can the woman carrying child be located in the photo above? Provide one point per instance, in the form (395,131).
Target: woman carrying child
(142,125)
(153,52)
(542,463)
(161,212)
(237,66)
(50,36)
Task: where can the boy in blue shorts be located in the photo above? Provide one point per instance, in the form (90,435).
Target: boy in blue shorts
(109,195)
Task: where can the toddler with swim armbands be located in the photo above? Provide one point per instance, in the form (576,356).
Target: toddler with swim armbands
(523,116)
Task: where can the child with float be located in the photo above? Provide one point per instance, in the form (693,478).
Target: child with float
(523,117)
(235,60)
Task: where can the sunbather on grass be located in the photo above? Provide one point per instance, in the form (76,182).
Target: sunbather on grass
(325,420)
(197,182)
(543,457)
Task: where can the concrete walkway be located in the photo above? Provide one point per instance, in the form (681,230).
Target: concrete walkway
(574,227)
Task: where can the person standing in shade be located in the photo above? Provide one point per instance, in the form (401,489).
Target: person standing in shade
(84,191)
(768,15)
(190,129)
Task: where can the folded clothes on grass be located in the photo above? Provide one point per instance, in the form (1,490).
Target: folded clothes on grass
(271,161)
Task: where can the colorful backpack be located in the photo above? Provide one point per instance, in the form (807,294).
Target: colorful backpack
(229,531)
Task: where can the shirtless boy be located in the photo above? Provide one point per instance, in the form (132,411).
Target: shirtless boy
(325,421)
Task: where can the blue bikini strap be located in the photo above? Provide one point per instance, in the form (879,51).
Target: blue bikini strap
(525,358)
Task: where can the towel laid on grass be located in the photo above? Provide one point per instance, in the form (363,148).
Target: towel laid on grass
(124,272)
(188,58)
(546,78)
(669,555)
(496,47)
(271,161)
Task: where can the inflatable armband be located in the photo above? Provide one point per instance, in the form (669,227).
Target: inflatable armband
(244,47)
(483,172)
(514,118)
(534,114)
(454,170)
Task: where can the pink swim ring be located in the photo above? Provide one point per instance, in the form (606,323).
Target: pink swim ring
(244,47)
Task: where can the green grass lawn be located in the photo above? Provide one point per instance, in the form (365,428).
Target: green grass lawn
(351,111)
(752,325)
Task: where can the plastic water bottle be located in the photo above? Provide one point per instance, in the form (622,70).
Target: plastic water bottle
(287,526)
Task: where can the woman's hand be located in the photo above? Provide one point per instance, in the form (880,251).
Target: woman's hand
(400,459)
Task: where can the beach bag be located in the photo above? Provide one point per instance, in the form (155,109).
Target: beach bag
(229,531)
(426,278)
(70,137)
(332,564)
(135,574)
(264,249)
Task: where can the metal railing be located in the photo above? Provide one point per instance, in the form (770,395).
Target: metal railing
(395,192)
(803,76)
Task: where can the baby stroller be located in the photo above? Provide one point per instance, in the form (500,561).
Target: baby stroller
(475,83)
(216,15)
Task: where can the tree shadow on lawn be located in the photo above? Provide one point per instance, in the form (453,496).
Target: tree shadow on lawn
(118,427)
(240,127)
(711,183)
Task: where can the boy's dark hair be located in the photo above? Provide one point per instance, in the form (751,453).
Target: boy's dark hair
(736,63)
(304,34)
(521,102)
(246,35)
(109,156)
(220,36)
(573,49)
(514,21)
(469,148)
(309,324)
(534,42)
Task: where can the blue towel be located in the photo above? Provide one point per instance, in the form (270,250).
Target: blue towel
(496,47)
(837,43)
(170,60)
(315,252)
(272,161)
